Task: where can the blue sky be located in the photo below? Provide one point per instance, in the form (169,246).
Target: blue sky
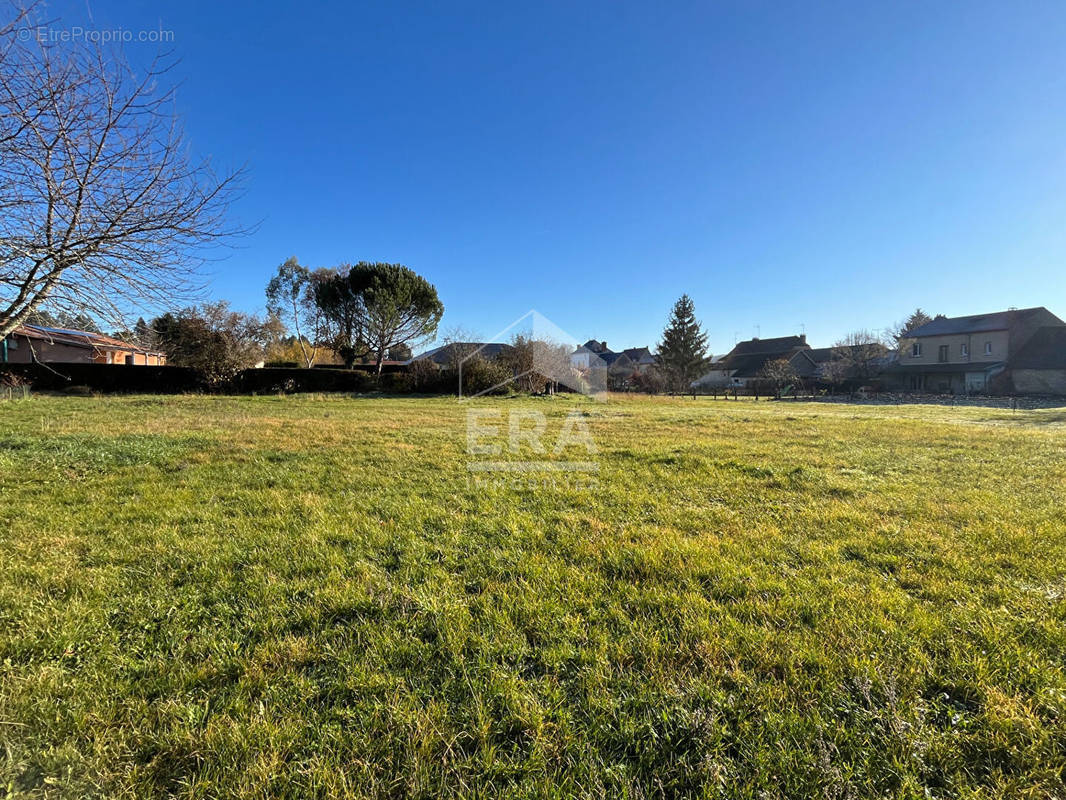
(816,164)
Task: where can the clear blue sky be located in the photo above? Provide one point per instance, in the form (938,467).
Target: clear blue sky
(817,163)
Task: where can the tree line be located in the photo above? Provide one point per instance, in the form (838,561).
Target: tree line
(360,312)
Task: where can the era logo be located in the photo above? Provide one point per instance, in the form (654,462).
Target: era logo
(525,429)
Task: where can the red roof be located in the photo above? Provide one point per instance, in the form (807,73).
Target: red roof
(78,339)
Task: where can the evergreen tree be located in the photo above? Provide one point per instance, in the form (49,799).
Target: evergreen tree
(899,331)
(683,349)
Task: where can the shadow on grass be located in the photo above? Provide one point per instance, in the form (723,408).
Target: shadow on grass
(1026,417)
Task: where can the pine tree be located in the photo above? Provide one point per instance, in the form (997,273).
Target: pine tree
(683,350)
(900,330)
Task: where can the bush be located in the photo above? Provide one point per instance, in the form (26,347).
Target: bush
(396,383)
(425,376)
(270,380)
(120,378)
(480,375)
(651,381)
(13,387)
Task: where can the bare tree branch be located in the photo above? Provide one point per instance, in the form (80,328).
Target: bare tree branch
(102,210)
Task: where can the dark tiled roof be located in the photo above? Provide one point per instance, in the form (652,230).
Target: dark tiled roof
(823,355)
(748,358)
(640,355)
(805,366)
(751,365)
(778,345)
(445,353)
(976,323)
(820,355)
(1045,350)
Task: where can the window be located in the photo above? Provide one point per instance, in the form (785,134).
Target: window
(916,350)
(988,348)
(964,349)
(942,353)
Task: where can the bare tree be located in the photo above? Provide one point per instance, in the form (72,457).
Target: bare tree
(858,356)
(101,207)
(461,343)
(215,339)
(835,371)
(778,374)
(537,364)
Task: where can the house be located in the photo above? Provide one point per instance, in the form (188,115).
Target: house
(594,353)
(591,354)
(621,366)
(452,353)
(641,357)
(1039,367)
(33,343)
(960,355)
(743,365)
(846,365)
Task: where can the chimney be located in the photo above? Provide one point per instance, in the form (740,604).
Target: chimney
(603,344)
(803,338)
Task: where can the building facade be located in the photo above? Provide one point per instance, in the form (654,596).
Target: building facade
(967,355)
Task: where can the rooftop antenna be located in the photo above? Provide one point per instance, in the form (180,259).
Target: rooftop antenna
(803,329)
(758,331)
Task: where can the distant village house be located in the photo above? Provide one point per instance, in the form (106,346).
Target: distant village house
(35,344)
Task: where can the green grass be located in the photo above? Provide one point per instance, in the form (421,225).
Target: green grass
(305,597)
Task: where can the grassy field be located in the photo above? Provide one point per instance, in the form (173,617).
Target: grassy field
(306,597)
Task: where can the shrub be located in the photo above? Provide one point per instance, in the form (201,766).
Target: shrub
(13,385)
(425,376)
(480,375)
(396,382)
(651,381)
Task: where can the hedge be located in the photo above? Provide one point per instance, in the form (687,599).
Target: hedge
(60,376)
(120,378)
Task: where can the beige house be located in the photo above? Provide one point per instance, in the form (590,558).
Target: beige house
(962,355)
(35,344)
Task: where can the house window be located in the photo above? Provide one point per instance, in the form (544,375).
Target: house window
(964,349)
(942,354)
(916,350)
(988,348)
